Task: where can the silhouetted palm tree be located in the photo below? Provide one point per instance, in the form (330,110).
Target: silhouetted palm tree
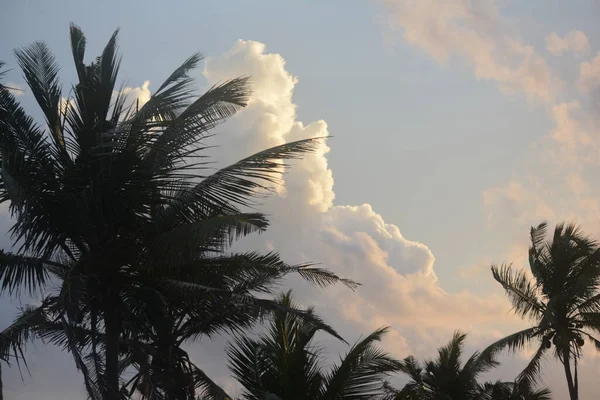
(164,367)
(116,206)
(562,299)
(446,377)
(284,364)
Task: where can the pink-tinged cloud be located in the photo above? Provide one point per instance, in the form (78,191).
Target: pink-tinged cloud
(474,32)
(399,284)
(574,41)
(589,75)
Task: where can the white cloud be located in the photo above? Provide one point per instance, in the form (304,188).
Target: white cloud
(552,182)
(573,41)
(589,74)
(134,95)
(474,31)
(399,285)
(137,95)
(572,144)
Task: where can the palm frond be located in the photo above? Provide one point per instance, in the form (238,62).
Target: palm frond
(22,330)
(410,366)
(182,71)
(239,183)
(514,342)
(361,371)
(478,364)
(450,355)
(520,291)
(18,271)
(40,71)
(531,373)
(78,43)
(306,316)
(210,109)
(182,243)
(172,95)
(246,362)
(206,385)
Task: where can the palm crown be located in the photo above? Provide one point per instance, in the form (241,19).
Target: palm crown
(284,364)
(560,298)
(446,377)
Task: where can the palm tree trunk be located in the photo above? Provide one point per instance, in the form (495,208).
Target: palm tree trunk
(576,381)
(567,365)
(1,386)
(112,331)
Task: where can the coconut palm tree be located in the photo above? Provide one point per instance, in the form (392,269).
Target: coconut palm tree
(108,198)
(512,391)
(284,364)
(446,377)
(164,369)
(561,298)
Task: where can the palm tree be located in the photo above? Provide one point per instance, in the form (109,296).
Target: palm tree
(164,369)
(446,377)
(512,391)
(284,364)
(561,299)
(116,206)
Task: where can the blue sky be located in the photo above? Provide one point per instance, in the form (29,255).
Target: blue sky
(456,163)
(414,139)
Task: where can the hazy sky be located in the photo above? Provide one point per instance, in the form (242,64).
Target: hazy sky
(457,125)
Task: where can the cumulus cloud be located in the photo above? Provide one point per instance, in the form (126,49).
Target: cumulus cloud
(573,41)
(137,96)
(399,284)
(474,31)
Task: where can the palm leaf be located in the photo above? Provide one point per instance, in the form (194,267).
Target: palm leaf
(361,371)
(238,183)
(41,74)
(531,373)
(213,234)
(14,337)
(520,291)
(210,109)
(207,386)
(513,342)
(17,271)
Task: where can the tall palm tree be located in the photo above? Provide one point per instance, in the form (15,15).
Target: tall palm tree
(117,207)
(513,391)
(561,299)
(446,377)
(284,364)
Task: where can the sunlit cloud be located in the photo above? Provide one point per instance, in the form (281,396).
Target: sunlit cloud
(474,32)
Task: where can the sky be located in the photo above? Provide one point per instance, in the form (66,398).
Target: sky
(456,125)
